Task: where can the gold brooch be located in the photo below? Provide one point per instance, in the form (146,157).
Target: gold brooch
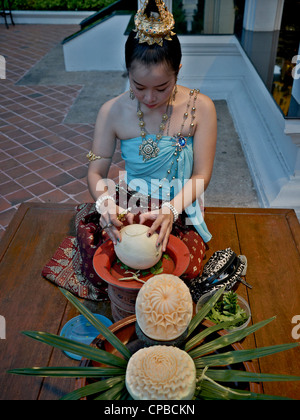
(148,149)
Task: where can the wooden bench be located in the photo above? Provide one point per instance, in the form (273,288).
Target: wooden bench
(270,239)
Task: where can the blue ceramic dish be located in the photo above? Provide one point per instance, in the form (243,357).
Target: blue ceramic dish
(81,330)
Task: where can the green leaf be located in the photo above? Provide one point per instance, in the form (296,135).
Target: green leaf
(227,339)
(198,318)
(69,372)
(114,393)
(157,268)
(83,350)
(110,337)
(210,390)
(208,331)
(228,375)
(239,356)
(92,389)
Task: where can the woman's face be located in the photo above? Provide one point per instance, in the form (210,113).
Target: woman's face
(152,85)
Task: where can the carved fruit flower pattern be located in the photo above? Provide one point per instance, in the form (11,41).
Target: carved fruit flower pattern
(164,307)
(161,373)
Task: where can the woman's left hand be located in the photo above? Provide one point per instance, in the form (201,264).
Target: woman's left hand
(162,220)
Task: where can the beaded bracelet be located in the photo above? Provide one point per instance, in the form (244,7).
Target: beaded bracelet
(173,210)
(100,201)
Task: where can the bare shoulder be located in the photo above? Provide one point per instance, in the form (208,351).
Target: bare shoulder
(112,107)
(116,113)
(204,102)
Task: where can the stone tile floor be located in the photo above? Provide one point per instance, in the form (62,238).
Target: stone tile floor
(41,158)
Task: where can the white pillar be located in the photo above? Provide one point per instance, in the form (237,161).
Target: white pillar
(219,17)
(190,8)
(263,15)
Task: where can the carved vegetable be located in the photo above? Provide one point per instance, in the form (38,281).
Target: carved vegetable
(161,373)
(164,307)
(136,250)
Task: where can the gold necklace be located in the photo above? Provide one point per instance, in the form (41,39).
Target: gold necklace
(149,148)
(179,139)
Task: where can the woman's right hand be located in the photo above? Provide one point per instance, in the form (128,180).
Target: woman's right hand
(110,220)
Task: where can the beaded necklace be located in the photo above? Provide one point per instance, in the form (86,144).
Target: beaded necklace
(149,148)
(179,141)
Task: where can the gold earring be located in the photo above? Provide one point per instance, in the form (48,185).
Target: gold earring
(174,93)
(131,94)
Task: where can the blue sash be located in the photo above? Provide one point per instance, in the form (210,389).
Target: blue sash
(164,175)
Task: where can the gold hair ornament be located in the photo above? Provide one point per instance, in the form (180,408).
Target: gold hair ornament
(157,27)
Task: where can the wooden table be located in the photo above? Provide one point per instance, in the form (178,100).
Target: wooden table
(269,238)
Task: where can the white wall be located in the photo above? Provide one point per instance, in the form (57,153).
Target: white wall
(218,66)
(32,17)
(100,48)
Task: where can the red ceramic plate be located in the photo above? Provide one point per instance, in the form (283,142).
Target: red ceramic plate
(110,270)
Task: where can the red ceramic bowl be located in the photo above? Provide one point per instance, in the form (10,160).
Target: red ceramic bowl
(110,270)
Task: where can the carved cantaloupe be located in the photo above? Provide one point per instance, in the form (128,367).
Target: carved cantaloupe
(164,307)
(161,373)
(136,250)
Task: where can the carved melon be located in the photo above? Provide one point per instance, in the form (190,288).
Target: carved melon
(136,250)
(161,373)
(164,307)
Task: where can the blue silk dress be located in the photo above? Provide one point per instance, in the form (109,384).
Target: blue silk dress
(163,176)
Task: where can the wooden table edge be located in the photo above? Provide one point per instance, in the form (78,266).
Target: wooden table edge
(18,218)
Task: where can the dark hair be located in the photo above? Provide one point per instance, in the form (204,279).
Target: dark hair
(169,52)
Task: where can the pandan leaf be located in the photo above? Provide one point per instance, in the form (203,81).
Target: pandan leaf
(240,356)
(228,375)
(94,388)
(210,390)
(113,393)
(198,318)
(75,347)
(208,331)
(227,339)
(110,337)
(69,372)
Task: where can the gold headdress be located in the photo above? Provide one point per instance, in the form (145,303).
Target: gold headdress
(157,27)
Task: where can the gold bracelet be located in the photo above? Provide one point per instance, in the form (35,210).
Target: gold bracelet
(92,157)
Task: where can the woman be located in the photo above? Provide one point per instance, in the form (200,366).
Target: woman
(167,132)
